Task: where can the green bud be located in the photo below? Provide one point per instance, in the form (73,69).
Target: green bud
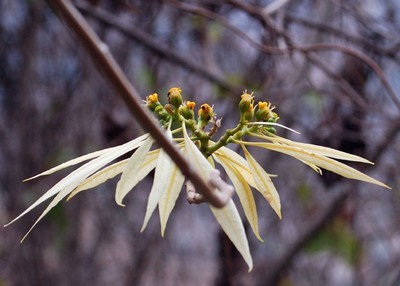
(246,102)
(186,110)
(175,97)
(261,114)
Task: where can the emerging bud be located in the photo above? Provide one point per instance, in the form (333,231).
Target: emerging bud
(175,97)
(152,101)
(190,104)
(264,112)
(246,102)
(186,110)
(205,112)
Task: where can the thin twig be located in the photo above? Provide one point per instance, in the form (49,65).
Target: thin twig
(344,85)
(371,46)
(327,214)
(113,73)
(257,13)
(156,46)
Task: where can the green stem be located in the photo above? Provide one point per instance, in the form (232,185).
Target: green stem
(225,139)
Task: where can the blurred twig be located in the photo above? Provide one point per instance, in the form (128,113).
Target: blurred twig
(256,12)
(274,50)
(326,215)
(390,52)
(113,73)
(156,46)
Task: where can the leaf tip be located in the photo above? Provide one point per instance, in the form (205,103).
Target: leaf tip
(70,196)
(121,204)
(118,199)
(386,186)
(250,264)
(278,212)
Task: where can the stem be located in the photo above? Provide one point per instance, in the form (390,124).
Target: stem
(224,140)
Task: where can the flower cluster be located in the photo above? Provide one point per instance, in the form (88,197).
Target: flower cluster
(193,134)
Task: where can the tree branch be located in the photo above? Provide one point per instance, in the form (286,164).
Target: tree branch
(113,73)
(329,212)
(156,46)
(322,47)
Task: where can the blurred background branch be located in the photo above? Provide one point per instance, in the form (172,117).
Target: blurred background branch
(330,67)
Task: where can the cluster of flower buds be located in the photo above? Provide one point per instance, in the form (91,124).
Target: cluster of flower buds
(176,107)
(264,111)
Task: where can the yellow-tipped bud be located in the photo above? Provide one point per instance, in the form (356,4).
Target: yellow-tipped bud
(246,102)
(153,98)
(205,112)
(175,96)
(264,112)
(263,105)
(186,110)
(190,104)
(152,101)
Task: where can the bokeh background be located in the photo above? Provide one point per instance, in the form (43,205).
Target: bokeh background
(55,105)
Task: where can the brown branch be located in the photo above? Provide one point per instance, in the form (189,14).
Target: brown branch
(371,46)
(113,73)
(328,214)
(190,8)
(263,17)
(387,141)
(156,46)
(358,55)
(257,13)
(294,47)
(344,85)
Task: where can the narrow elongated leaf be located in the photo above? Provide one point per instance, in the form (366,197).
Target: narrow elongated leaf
(313,166)
(115,169)
(321,150)
(81,159)
(196,157)
(129,177)
(238,162)
(70,182)
(174,181)
(273,124)
(319,160)
(264,183)
(99,177)
(161,177)
(244,193)
(229,219)
(228,216)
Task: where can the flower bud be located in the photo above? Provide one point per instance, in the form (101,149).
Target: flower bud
(152,101)
(264,112)
(205,112)
(246,102)
(161,112)
(175,97)
(186,110)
